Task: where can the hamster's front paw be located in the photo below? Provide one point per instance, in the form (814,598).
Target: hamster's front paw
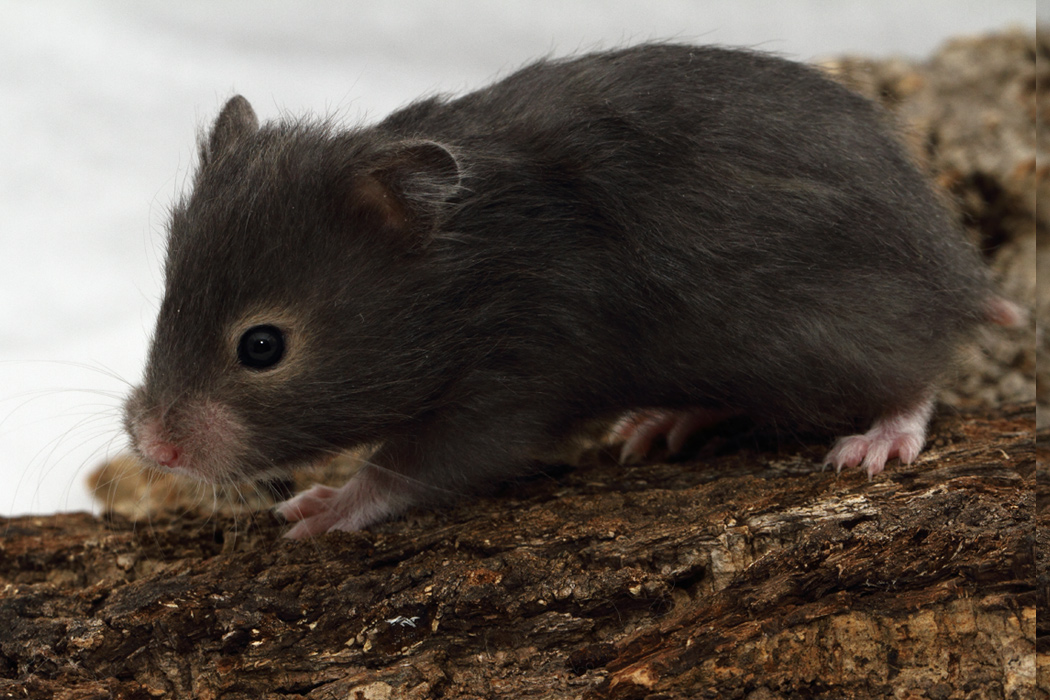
(319,509)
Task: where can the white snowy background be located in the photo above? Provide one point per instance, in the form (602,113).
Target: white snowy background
(100,103)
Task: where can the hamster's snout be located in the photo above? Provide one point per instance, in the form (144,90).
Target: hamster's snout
(198,437)
(148,438)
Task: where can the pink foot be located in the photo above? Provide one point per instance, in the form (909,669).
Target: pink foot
(640,428)
(899,434)
(1004,313)
(357,504)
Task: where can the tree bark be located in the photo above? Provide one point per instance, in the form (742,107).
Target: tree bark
(745,573)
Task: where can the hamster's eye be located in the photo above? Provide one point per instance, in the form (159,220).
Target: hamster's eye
(261,347)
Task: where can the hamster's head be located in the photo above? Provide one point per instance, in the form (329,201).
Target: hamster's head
(297,315)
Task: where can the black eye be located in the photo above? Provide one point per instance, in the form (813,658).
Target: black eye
(261,347)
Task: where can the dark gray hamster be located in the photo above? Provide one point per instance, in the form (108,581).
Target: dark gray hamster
(670,232)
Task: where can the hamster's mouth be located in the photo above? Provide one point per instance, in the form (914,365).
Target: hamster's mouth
(176,470)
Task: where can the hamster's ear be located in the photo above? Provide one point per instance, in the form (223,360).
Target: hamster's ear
(408,187)
(236,121)
(424,172)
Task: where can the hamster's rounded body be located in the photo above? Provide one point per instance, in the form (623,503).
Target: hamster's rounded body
(472,280)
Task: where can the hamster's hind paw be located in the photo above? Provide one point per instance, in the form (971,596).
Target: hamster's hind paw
(639,429)
(1003,312)
(319,509)
(901,434)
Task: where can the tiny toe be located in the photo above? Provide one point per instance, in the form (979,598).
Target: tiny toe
(629,454)
(291,510)
(680,431)
(847,452)
(635,447)
(299,531)
(875,460)
(308,527)
(645,430)
(307,504)
(908,448)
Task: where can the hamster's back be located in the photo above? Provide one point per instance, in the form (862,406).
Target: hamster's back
(740,216)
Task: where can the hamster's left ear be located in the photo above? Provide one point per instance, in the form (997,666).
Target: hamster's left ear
(407,187)
(235,122)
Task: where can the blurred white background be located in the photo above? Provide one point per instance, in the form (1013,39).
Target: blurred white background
(100,103)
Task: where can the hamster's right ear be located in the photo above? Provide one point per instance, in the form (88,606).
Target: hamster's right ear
(236,121)
(407,188)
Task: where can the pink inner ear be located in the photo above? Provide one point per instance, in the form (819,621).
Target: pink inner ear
(373,199)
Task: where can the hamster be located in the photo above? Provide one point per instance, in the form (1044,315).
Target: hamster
(669,233)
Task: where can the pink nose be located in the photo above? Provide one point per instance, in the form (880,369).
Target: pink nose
(151,440)
(163,453)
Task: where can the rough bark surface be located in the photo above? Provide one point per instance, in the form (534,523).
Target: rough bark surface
(746,573)
(742,571)
(1042,557)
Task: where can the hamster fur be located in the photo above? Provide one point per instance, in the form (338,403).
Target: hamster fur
(668,232)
